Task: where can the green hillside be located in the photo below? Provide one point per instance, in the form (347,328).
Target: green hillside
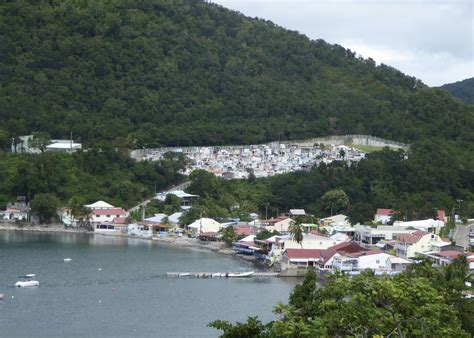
(127,74)
(463,90)
(151,72)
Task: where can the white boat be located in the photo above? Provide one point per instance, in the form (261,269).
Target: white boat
(240,274)
(217,275)
(67,259)
(27,281)
(184,274)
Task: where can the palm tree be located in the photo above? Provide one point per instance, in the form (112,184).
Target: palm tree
(296,230)
(80,213)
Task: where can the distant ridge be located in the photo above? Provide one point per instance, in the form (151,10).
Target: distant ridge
(148,73)
(463,90)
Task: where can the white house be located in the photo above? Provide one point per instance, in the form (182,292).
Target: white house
(186,199)
(336,220)
(370,235)
(140,230)
(99,205)
(106,215)
(102,212)
(419,242)
(374,260)
(300,258)
(429,225)
(280,224)
(384,216)
(17,211)
(65,146)
(204,225)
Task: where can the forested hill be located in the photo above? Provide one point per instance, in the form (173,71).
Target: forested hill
(150,72)
(463,90)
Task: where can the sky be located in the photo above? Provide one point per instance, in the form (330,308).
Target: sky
(430,40)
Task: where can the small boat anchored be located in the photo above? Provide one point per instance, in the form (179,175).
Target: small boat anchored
(240,274)
(27,281)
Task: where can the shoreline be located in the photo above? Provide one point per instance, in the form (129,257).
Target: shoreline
(181,242)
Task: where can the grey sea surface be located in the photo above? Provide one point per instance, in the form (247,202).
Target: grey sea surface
(116,287)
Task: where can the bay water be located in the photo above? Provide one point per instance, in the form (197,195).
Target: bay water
(116,287)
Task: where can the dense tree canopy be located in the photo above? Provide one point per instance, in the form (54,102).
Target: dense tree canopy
(463,90)
(422,302)
(156,72)
(82,177)
(127,74)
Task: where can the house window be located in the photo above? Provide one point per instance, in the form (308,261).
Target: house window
(377,262)
(108,215)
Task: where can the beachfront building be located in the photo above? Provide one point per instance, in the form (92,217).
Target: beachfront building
(300,258)
(204,225)
(117,226)
(17,211)
(310,242)
(140,229)
(103,212)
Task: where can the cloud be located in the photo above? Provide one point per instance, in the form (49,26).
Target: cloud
(431,40)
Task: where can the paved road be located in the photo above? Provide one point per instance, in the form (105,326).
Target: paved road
(461,235)
(181,186)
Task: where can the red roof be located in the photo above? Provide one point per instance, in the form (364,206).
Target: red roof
(449,254)
(385,212)
(412,238)
(362,253)
(346,248)
(113,212)
(243,231)
(303,253)
(120,220)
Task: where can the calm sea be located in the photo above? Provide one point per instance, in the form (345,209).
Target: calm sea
(116,287)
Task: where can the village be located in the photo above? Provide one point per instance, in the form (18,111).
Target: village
(329,244)
(262,160)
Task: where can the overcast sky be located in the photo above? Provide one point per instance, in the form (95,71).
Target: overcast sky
(431,40)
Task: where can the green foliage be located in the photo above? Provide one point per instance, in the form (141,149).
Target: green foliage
(420,302)
(39,141)
(228,235)
(463,90)
(296,230)
(335,200)
(85,176)
(360,213)
(45,206)
(262,235)
(158,72)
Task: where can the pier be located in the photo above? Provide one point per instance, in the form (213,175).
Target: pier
(233,274)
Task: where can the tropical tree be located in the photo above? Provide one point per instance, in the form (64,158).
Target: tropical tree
(45,206)
(296,230)
(80,213)
(335,200)
(229,235)
(411,304)
(39,141)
